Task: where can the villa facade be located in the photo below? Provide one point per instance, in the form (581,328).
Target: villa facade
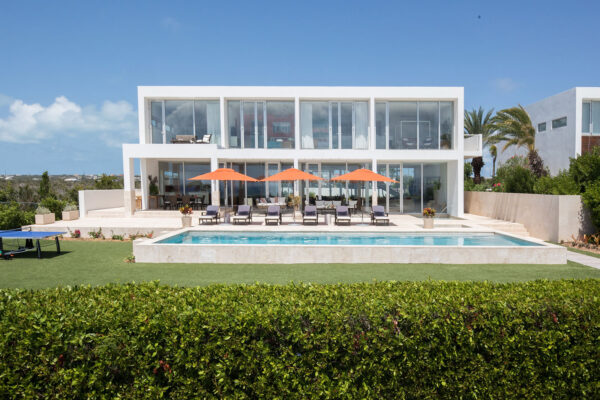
(567,124)
(411,134)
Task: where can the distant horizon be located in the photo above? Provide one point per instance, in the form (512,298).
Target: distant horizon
(68,94)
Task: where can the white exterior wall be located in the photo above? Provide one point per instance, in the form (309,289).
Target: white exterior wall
(556,146)
(214,153)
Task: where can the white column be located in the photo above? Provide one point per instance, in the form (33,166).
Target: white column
(144,183)
(214,185)
(128,186)
(374,184)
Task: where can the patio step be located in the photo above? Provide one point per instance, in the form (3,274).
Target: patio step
(508,227)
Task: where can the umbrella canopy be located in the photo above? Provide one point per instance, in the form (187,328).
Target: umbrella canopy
(292,174)
(363,175)
(223,174)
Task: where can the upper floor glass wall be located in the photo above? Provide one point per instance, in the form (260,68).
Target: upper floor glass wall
(590,117)
(247,128)
(172,118)
(414,125)
(334,125)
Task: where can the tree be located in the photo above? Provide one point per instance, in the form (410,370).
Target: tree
(108,182)
(513,127)
(494,154)
(478,122)
(45,189)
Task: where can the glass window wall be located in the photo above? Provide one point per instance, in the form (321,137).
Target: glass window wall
(446,125)
(314,124)
(234,124)
(411,188)
(207,120)
(197,118)
(280,124)
(179,118)
(402,125)
(156,121)
(334,125)
(435,187)
(380,125)
(591,117)
(428,125)
(170,178)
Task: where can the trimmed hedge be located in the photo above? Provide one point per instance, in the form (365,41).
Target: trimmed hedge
(385,340)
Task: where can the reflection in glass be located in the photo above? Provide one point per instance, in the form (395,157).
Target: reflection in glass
(585,117)
(361,125)
(170,179)
(411,186)
(435,187)
(446,124)
(346,125)
(201,189)
(428,125)
(314,124)
(156,121)
(234,124)
(403,125)
(249,124)
(380,124)
(287,187)
(335,125)
(255,190)
(595,117)
(207,119)
(273,186)
(179,119)
(280,124)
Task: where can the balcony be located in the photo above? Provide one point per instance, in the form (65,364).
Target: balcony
(473,146)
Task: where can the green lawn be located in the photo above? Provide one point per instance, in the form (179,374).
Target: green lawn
(97,263)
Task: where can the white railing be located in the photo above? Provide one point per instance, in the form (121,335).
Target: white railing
(473,144)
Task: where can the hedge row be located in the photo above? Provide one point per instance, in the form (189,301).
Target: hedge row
(384,340)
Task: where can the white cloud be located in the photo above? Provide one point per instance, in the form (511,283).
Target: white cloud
(171,24)
(5,100)
(114,122)
(506,85)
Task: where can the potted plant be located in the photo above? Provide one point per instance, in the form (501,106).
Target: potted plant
(43,216)
(70,212)
(428,214)
(186,216)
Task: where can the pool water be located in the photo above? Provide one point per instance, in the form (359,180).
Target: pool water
(346,239)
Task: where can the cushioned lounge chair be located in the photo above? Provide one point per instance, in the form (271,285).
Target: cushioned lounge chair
(273,215)
(379,216)
(342,215)
(310,215)
(243,215)
(210,215)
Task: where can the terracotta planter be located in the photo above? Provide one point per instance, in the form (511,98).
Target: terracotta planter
(186,221)
(44,219)
(70,215)
(428,222)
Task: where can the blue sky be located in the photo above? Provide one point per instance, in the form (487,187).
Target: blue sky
(69,70)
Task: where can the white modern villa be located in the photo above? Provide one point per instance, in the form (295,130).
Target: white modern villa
(567,124)
(411,134)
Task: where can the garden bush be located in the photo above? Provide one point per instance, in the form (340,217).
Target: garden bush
(516,179)
(385,340)
(562,183)
(12,216)
(54,205)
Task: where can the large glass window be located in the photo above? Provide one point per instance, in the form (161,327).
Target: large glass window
(403,125)
(234,124)
(170,178)
(207,120)
(255,190)
(586,117)
(200,189)
(594,122)
(411,188)
(314,124)
(428,125)
(346,125)
(380,125)
(446,124)
(179,119)
(156,121)
(361,125)
(280,124)
(435,187)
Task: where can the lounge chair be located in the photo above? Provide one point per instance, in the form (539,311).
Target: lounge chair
(378,215)
(183,139)
(243,215)
(342,216)
(210,215)
(205,139)
(310,215)
(273,215)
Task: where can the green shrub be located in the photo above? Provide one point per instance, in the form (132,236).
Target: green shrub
(468,171)
(386,340)
(42,210)
(562,183)
(54,205)
(516,179)
(585,168)
(591,198)
(108,182)
(12,217)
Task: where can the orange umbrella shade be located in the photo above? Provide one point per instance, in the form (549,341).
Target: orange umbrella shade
(363,175)
(292,174)
(223,174)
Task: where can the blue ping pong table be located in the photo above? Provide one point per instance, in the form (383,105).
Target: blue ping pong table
(29,237)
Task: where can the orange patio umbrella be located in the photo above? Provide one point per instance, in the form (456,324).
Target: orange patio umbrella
(363,175)
(292,174)
(223,174)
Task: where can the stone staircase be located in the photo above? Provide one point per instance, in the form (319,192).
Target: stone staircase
(513,228)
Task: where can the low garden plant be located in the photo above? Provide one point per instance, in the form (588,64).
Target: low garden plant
(532,340)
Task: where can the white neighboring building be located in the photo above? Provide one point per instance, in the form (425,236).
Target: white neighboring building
(412,134)
(567,124)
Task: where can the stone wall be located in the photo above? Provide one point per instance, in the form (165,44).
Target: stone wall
(546,217)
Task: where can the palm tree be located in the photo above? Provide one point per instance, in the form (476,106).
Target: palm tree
(513,127)
(494,154)
(478,122)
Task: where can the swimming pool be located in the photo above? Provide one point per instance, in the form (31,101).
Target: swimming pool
(345,239)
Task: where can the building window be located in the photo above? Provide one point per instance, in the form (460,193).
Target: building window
(414,125)
(542,127)
(559,122)
(280,124)
(334,125)
(590,117)
(170,118)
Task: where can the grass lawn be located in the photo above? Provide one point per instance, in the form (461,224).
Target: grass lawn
(97,263)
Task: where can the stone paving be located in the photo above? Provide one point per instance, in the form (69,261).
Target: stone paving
(583,259)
